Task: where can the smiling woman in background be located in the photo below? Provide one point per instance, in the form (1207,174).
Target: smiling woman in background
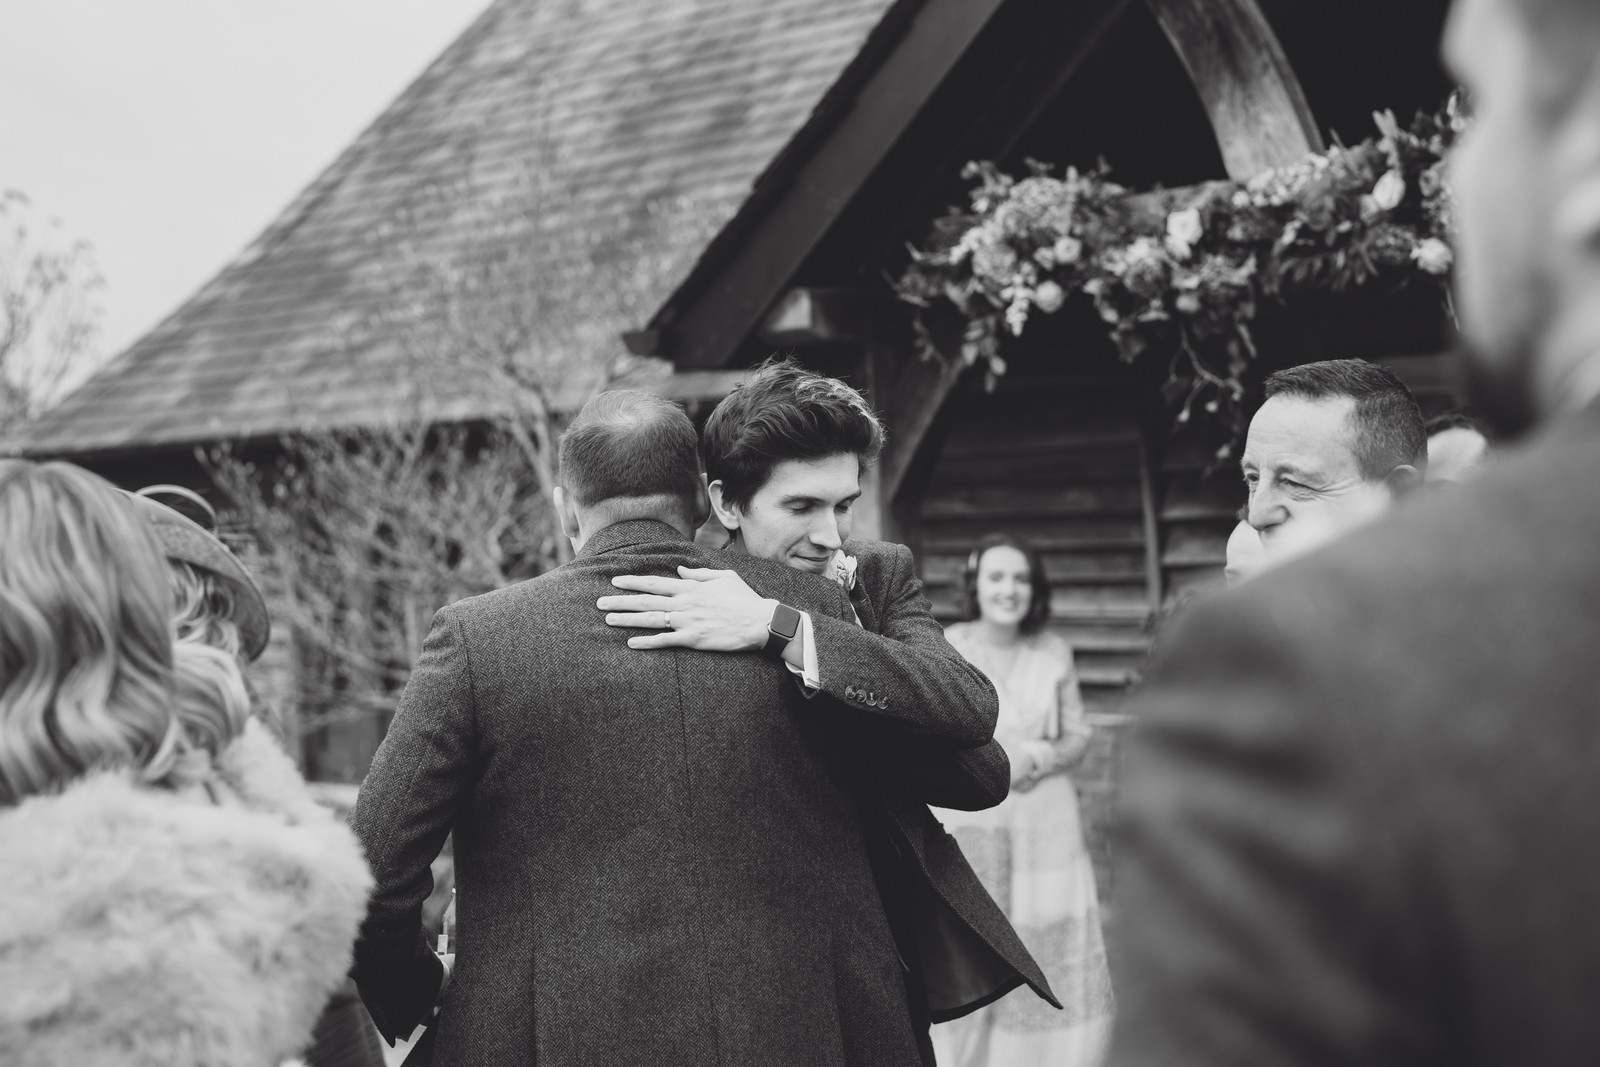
(1029,850)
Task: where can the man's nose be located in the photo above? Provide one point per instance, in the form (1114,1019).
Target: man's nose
(1265,509)
(825,534)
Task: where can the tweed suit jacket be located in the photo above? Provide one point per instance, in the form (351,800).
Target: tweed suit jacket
(967,951)
(1363,802)
(655,862)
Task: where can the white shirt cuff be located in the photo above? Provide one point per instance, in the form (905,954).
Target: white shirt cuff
(809,675)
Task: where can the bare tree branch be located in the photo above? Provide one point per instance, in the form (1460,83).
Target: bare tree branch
(49,311)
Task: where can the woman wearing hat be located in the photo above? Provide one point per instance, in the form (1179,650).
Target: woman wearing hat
(220,605)
(174,895)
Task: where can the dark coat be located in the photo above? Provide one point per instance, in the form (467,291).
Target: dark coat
(1363,802)
(947,925)
(656,862)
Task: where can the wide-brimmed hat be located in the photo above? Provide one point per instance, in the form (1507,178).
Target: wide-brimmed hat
(182,538)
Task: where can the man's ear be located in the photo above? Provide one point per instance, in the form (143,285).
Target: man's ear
(1402,480)
(702,504)
(566,512)
(725,513)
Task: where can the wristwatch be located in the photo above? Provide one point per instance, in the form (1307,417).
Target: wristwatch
(781,628)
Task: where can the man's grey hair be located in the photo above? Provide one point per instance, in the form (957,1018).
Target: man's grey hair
(1386,423)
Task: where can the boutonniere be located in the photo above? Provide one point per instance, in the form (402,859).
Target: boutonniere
(842,569)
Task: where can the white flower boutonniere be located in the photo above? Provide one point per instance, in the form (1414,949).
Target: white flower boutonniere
(842,569)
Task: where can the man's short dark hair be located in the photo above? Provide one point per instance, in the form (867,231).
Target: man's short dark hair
(784,412)
(626,443)
(1386,422)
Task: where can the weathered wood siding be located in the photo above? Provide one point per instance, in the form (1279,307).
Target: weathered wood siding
(1057,461)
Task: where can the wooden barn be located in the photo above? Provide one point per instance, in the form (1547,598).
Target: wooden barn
(1072,449)
(814,140)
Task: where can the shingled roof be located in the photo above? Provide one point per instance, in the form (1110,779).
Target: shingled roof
(608,137)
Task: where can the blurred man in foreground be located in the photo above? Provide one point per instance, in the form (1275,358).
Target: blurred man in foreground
(1360,818)
(1244,553)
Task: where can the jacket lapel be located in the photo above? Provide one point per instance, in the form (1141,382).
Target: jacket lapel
(865,611)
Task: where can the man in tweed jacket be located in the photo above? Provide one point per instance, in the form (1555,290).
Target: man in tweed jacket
(655,862)
(784,454)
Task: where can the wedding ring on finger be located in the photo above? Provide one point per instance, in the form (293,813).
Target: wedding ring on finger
(666,619)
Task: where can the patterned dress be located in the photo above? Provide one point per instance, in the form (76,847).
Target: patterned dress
(1030,854)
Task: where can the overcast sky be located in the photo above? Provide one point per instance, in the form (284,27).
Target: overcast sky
(168,133)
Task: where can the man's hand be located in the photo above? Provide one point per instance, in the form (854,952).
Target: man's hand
(707,609)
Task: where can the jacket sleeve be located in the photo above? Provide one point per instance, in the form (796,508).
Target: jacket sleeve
(1256,869)
(931,770)
(966,779)
(907,674)
(420,777)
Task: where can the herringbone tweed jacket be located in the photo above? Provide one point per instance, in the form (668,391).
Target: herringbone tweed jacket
(656,863)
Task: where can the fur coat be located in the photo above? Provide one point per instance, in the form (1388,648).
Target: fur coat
(143,927)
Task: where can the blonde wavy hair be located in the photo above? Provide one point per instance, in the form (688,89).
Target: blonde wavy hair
(205,607)
(204,620)
(90,676)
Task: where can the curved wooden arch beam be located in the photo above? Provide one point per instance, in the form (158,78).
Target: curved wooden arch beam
(1257,108)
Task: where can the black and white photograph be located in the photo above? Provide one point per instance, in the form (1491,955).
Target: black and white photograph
(800,533)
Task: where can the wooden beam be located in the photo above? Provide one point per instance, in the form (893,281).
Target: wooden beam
(909,406)
(806,316)
(1150,506)
(746,267)
(1257,108)
(1067,69)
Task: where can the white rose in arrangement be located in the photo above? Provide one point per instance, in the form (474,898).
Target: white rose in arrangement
(1049,297)
(1390,190)
(1068,249)
(1433,256)
(1186,226)
(1143,250)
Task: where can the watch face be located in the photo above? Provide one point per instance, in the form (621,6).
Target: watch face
(785,621)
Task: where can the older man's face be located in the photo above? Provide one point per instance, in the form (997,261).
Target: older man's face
(1300,468)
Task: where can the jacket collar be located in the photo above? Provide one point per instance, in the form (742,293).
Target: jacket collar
(628,533)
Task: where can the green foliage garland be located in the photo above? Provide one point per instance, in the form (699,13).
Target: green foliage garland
(1180,276)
